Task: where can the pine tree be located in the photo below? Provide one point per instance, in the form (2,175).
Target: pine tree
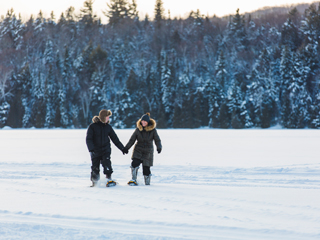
(268,108)
(133,12)
(290,35)
(260,82)
(48,53)
(5,95)
(155,95)
(97,102)
(63,110)
(11,31)
(315,111)
(158,13)
(285,81)
(224,114)
(119,10)
(222,76)
(299,97)
(50,97)
(310,64)
(25,79)
(237,106)
(87,16)
(39,25)
(197,103)
(237,31)
(216,97)
(167,88)
(181,107)
(310,26)
(4,112)
(39,105)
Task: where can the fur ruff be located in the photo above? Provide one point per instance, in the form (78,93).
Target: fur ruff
(152,125)
(96,119)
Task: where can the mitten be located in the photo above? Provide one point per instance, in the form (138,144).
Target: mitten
(125,150)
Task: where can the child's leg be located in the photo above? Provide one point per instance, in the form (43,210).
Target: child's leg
(106,164)
(135,167)
(95,169)
(147,175)
(136,162)
(146,170)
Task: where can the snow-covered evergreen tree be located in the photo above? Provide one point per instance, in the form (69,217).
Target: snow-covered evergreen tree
(300,98)
(216,98)
(25,80)
(50,97)
(97,102)
(39,104)
(222,76)
(260,82)
(4,111)
(310,26)
(237,31)
(315,112)
(286,67)
(49,53)
(12,30)
(120,10)
(237,107)
(290,35)
(63,107)
(167,87)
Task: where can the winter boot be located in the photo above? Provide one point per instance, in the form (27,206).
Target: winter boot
(134,172)
(95,177)
(110,182)
(109,177)
(147,179)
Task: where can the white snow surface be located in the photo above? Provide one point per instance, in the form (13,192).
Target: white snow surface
(206,184)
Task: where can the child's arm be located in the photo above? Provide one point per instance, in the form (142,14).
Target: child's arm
(89,139)
(132,139)
(157,141)
(115,139)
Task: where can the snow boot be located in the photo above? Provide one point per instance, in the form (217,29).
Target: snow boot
(95,177)
(134,172)
(110,182)
(94,184)
(147,179)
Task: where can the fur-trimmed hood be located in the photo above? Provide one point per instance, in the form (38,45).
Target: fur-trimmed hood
(96,119)
(152,125)
(103,114)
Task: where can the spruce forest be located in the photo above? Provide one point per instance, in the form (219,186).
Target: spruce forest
(240,71)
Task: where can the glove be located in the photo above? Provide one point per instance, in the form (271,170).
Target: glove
(159,150)
(125,150)
(92,154)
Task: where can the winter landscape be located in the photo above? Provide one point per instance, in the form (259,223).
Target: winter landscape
(206,184)
(204,79)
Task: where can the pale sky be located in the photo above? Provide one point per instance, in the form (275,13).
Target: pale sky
(176,7)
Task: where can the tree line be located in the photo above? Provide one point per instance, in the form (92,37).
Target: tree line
(239,71)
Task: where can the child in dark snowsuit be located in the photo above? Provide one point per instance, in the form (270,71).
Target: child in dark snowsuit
(144,134)
(98,138)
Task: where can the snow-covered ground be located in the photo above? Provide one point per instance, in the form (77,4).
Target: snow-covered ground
(206,184)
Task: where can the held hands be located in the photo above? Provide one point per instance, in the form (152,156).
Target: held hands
(159,150)
(125,150)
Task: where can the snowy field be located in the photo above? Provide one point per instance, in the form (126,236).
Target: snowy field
(206,184)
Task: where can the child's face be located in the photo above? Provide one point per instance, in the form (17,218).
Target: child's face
(144,123)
